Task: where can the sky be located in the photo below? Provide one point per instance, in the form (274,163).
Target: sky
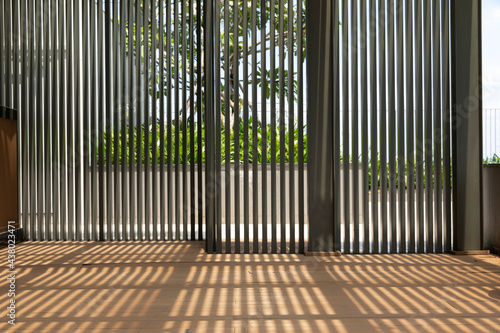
(491,54)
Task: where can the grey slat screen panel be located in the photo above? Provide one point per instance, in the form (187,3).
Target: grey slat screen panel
(404,56)
(98,83)
(258,116)
(185,120)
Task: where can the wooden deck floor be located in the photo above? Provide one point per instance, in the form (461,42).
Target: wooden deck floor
(176,287)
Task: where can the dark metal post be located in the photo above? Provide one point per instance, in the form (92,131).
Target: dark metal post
(466,124)
(320,125)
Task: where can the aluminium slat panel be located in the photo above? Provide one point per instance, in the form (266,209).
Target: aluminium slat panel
(263,55)
(427,109)
(78,174)
(282,124)
(382,57)
(162,23)
(199,100)
(217,133)
(54,117)
(176,147)
(246,185)
(210,127)
(38,136)
(364,127)
(345,127)
(23,113)
(227,126)
(170,212)
(400,85)
(392,125)
(109,117)
(354,122)
(154,126)
(291,126)
(47,124)
(184,122)
(437,113)
(300,125)
(86,134)
(373,91)
(272,94)
(123,117)
(255,160)
(410,126)
(236,125)
(146,120)
(446,100)
(192,93)
(419,135)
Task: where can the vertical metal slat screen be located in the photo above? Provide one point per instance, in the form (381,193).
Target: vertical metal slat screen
(392,124)
(98,84)
(256,127)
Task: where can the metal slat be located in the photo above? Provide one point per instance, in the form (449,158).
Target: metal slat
(364,128)
(200,122)
(246,187)
(217,133)
(71,118)
(437,113)
(420,217)
(31,128)
(39,112)
(272,94)
(236,129)
(86,123)
(24,115)
(140,44)
(336,130)
(291,126)
(184,122)
(445,12)
(178,202)
(282,125)
(392,128)
(210,136)
(354,122)
(374,90)
(147,169)
(192,92)
(47,128)
(300,124)
(255,161)
(109,63)
(101,115)
(383,124)
(410,125)
(227,125)
(400,85)
(169,124)
(54,115)
(428,129)
(154,123)
(345,114)
(123,114)
(62,123)
(161,60)
(78,231)
(93,122)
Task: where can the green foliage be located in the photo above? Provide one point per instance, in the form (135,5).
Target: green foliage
(185,145)
(495,159)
